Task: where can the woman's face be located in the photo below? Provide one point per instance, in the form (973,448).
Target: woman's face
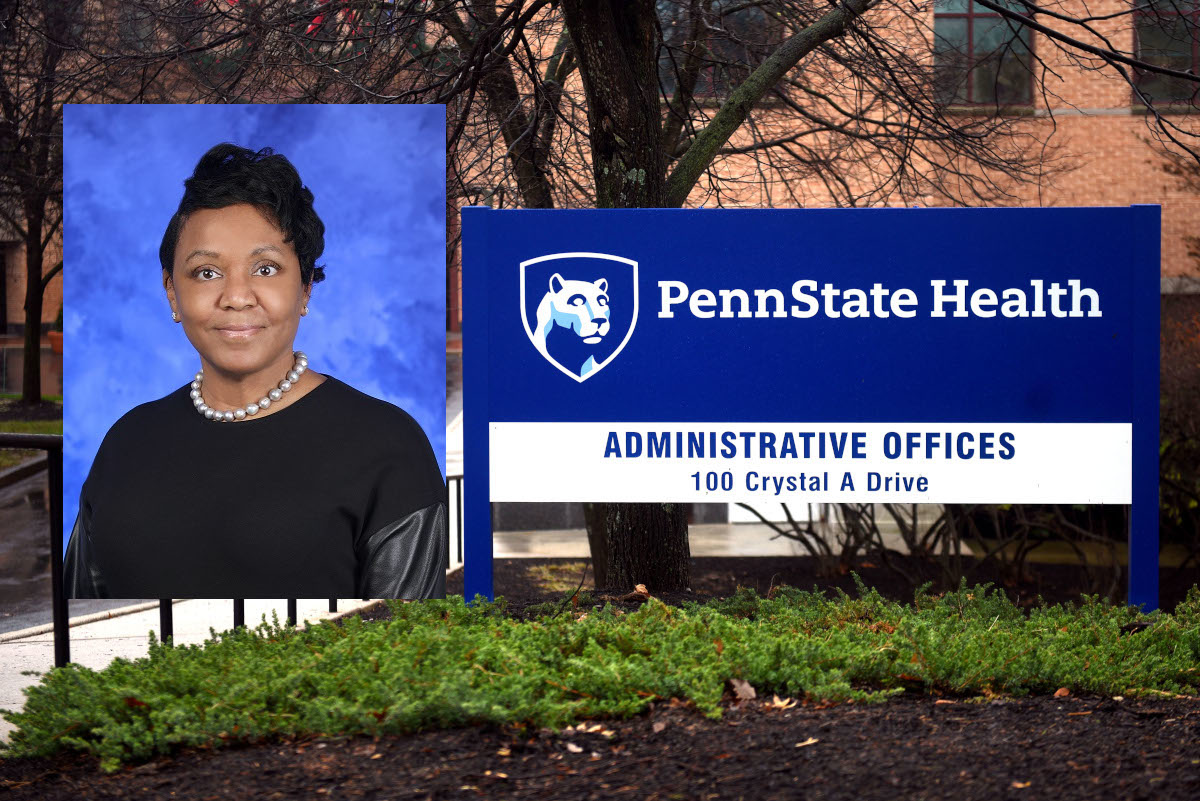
(237,290)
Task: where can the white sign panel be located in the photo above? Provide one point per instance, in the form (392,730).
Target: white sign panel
(798,463)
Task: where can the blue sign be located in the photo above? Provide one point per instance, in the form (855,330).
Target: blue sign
(873,355)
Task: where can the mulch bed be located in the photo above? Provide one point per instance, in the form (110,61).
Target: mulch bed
(911,747)
(1041,748)
(720,576)
(13,409)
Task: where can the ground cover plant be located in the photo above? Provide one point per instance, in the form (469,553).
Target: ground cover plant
(443,664)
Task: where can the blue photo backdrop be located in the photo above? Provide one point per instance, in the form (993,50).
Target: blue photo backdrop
(377,322)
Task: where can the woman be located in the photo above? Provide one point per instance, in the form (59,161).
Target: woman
(261,477)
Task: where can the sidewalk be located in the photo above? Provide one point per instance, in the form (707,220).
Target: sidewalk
(99,638)
(706,539)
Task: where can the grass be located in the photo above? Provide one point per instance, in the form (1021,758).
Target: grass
(557,578)
(17,396)
(442,664)
(31,426)
(11,457)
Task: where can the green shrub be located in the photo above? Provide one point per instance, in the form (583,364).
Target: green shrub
(443,664)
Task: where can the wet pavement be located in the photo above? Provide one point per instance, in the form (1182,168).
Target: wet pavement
(24,554)
(24,551)
(25,559)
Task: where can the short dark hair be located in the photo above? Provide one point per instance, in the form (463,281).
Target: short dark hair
(227,175)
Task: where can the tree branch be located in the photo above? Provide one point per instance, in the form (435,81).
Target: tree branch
(1111,56)
(735,110)
(55,270)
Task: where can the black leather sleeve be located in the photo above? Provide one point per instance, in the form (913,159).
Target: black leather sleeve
(406,558)
(81,574)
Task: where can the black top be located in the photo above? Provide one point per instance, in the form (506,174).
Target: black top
(337,496)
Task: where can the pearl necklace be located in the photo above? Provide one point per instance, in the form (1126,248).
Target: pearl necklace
(249,410)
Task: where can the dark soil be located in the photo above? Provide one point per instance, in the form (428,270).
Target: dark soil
(911,747)
(1041,748)
(13,409)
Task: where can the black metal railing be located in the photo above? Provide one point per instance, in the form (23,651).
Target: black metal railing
(52,444)
(166,619)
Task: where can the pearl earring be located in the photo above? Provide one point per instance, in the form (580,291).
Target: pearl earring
(175,316)
(304,311)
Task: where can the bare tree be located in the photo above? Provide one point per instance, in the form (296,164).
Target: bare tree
(751,103)
(36,78)
(232,51)
(769,102)
(631,103)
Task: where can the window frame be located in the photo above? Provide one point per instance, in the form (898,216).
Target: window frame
(1148,10)
(972,13)
(8,22)
(713,82)
(137,28)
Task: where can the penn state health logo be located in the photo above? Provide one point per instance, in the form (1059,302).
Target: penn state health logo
(579,309)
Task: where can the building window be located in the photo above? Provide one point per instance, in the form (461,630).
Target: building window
(8,21)
(741,36)
(1168,35)
(979,56)
(136,27)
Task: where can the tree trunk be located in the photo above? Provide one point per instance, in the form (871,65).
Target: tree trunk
(616,45)
(31,386)
(504,101)
(595,517)
(648,544)
(500,89)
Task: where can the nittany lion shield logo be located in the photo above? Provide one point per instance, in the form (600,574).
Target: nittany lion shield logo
(579,309)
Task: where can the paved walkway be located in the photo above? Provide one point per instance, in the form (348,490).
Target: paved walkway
(714,539)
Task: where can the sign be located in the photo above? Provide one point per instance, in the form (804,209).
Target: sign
(842,355)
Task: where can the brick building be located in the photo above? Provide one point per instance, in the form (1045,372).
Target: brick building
(1102,147)
(1101,143)
(12,323)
